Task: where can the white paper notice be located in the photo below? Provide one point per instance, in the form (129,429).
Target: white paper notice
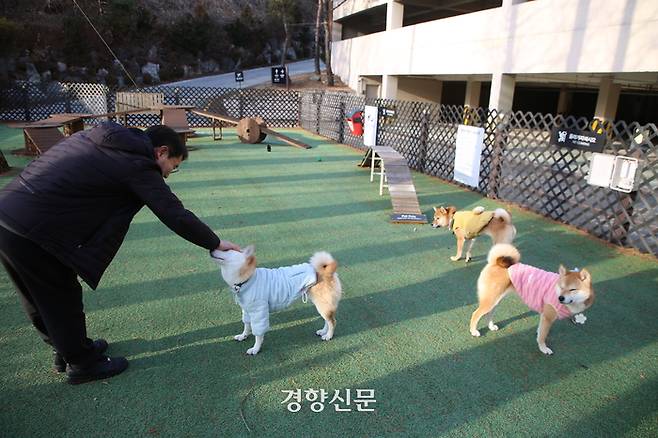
(467,154)
(370,126)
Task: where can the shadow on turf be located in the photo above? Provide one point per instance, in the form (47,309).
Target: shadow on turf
(147,230)
(310,178)
(440,246)
(461,387)
(440,395)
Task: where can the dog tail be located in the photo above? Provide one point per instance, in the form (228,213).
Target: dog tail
(324,264)
(503,255)
(502,214)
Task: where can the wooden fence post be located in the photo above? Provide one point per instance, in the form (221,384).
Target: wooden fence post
(341,121)
(320,97)
(622,218)
(501,132)
(424,134)
(26,101)
(67,98)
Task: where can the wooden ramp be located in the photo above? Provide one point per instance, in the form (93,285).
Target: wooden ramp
(395,175)
(4,166)
(291,141)
(218,121)
(39,139)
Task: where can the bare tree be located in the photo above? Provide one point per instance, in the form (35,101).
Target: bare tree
(318,16)
(328,28)
(285,11)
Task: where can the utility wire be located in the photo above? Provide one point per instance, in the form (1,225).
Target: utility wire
(106,45)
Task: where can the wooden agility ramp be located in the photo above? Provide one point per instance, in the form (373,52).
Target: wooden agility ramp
(4,166)
(250,130)
(394,174)
(39,139)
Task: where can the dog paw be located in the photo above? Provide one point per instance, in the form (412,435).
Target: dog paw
(253,351)
(545,350)
(241,337)
(321,332)
(327,337)
(475,333)
(493,327)
(579,319)
(468,259)
(454,258)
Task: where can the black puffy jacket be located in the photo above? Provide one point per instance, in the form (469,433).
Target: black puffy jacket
(77,200)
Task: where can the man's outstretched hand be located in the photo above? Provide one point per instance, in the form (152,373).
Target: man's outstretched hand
(225,245)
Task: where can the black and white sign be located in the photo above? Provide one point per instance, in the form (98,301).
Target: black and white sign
(409,218)
(278,75)
(387,113)
(239,76)
(578,139)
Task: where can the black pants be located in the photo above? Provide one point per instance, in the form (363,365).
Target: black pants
(50,294)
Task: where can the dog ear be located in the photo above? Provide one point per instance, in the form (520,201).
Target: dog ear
(585,276)
(249,250)
(451,210)
(562,271)
(434,208)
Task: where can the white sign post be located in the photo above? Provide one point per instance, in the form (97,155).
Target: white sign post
(467,154)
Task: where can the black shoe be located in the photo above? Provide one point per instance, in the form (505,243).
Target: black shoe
(99,345)
(102,368)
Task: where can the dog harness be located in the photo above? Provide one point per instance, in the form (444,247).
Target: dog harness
(471,222)
(269,290)
(537,287)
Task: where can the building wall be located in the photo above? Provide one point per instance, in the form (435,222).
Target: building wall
(353,6)
(547,36)
(421,90)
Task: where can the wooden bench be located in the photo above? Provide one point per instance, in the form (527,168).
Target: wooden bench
(394,174)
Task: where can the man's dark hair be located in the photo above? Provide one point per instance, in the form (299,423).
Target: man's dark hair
(162,135)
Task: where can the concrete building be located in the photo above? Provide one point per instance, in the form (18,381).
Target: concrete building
(592,58)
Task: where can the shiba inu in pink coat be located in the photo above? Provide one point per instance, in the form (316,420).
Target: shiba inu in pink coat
(553,296)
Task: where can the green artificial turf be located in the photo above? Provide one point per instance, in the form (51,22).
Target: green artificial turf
(402,324)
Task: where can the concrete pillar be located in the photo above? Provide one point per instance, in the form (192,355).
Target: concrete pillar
(439,93)
(606,103)
(473,89)
(394,14)
(389,87)
(502,92)
(564,101)
(336,32)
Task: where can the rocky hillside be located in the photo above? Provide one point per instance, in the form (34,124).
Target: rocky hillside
(156,40)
